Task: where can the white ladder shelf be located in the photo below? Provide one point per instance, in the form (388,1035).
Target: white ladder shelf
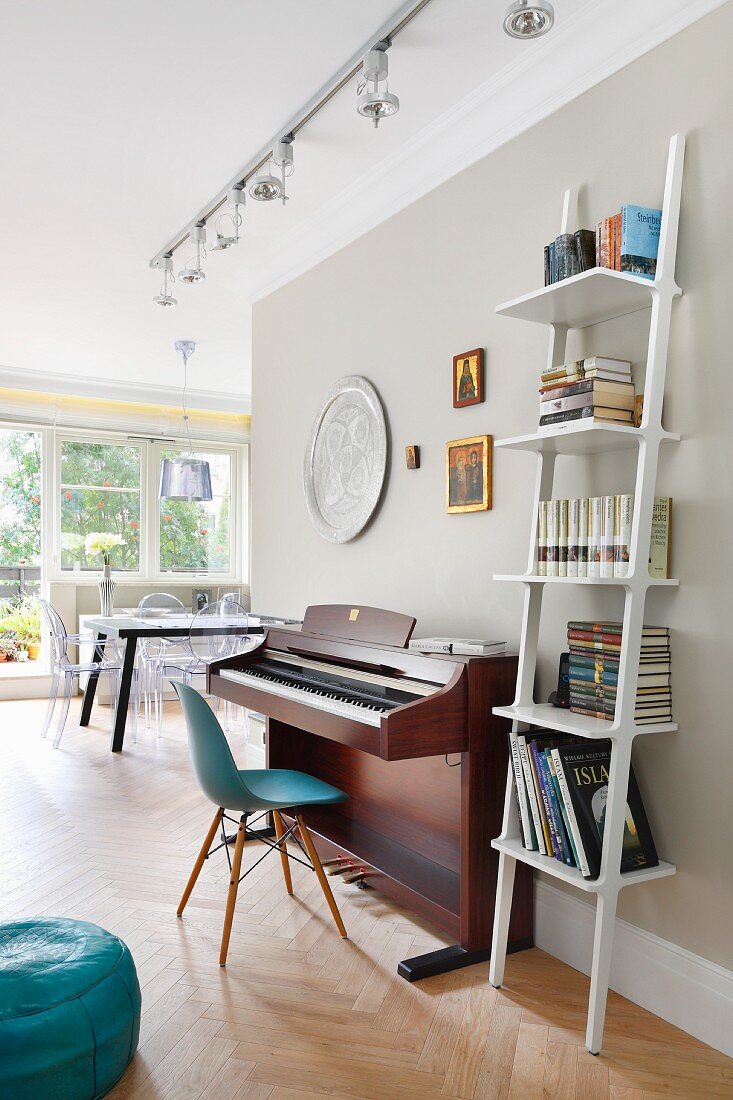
(586,299)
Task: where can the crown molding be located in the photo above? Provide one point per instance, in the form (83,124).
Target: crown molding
(136,393)
(605,37)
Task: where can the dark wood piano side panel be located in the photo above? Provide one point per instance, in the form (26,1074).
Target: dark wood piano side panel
(483,777)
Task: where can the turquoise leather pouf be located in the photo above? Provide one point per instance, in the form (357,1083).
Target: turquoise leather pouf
(69,1010)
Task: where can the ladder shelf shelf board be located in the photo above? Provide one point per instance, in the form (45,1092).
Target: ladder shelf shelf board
(619,582)
(583,300)
(572,875)
(581,725)
(581,437)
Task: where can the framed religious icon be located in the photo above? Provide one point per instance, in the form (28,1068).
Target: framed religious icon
(468,378)
(468,474)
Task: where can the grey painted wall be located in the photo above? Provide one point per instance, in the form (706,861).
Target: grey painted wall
(397,304)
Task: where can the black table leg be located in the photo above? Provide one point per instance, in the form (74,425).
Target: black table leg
(123,697)
(91,688)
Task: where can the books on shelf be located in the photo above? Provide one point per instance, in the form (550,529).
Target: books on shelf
(561,788)
(591,537)
(626,241)
(597,388)
(466,646)
(593,671)
(569,254)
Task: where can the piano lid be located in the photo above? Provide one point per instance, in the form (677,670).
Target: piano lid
(359,624)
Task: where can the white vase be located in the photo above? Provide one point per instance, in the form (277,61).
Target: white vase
(106,592)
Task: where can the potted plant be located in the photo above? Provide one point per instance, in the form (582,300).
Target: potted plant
(103,543)
(23,622)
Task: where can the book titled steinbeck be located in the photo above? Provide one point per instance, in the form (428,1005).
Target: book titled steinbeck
(466,646)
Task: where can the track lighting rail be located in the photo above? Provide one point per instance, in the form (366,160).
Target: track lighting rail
(381,40)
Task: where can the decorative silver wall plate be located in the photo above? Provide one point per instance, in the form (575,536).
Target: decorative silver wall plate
(345,460)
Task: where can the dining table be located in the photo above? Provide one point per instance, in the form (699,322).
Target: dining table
(130,629)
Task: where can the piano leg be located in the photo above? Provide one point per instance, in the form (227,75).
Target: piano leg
(451,958)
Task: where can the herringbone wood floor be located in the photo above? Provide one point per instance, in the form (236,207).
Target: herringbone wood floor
(298,1013)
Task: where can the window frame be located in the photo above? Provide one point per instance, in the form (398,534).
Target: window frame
(149,570)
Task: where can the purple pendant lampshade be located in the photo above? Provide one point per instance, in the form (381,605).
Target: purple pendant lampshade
(185,479)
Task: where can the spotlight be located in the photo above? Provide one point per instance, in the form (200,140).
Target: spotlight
(193,272)
(235,199)
(529,18)
(374,101)
(266,186)
(165,298)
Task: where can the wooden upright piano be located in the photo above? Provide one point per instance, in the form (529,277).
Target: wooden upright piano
(412,740)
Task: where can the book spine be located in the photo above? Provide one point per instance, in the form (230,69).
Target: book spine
(595,661)
(542,539)
(583,537)
(524,816)
(553,534)
(553,263)
(570,810)
(594,537)
(562,541)
(531,794)
(573,536)
(607,537)
(571,854)
(625,515)
(562,852)
(553,845)
(567,262)
(431,647)
(598,412)
(605,259)
(532,754)
(547,265)
(585,249)
(660,538)
(593,676)
(604,636)
(617,242)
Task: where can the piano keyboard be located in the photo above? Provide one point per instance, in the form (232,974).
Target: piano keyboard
(361,696)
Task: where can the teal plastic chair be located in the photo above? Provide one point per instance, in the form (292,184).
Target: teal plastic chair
(247,793)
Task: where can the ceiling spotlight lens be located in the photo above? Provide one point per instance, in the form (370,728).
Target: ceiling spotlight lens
(377,105)
(191,275)
(222,243)
(525,19)
(165,300)
(265,188)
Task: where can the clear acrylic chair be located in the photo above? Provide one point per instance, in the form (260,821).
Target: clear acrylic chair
(66,670)
(233,619)
(157,653)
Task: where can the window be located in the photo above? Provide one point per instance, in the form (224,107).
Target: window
(20,510)
(100,492)
(194,535)
(108,484)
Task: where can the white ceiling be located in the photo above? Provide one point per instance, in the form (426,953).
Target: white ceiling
(121,119)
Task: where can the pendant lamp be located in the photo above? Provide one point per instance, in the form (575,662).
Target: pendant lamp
(185,477)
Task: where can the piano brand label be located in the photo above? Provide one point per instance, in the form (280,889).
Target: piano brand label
(353,614)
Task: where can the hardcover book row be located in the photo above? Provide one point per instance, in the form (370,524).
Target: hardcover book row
(561,787)
(627,241)
(591,537)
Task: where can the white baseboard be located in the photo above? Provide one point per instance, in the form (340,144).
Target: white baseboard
(684,989)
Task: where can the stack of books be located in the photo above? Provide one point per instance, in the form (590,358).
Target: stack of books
(627,241)
(591,537)
(595,652)
(596,388)
(561,786)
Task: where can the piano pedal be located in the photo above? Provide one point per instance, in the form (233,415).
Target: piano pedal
(358,878)
(339,866)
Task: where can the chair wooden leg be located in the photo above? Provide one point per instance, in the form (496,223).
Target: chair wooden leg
(232,895)
(279,833)
(315,860)
(199,862)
